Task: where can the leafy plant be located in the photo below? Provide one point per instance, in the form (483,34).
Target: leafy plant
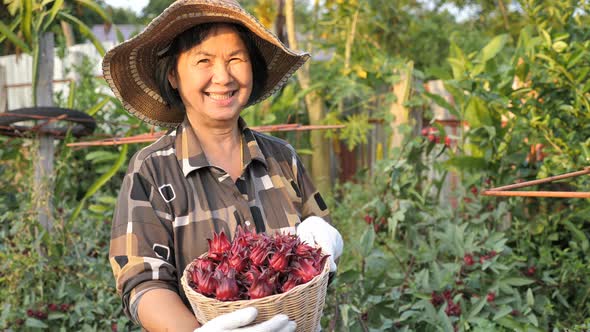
(33,18)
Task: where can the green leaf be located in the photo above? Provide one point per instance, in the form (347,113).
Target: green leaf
(546,58)
(504,310)
(35,74)
(305,151)
(466,163)
(578,235)
(95,8)
(120,36)
(518,281)
(101,182)
(407,314)
(13,38)
(533,319)
(56,315)
(530,298)
(27,20)
(57,5)
(344,310)
(581,54)
(559,46)
(33,322)
(99,209)
(458,67)
(13,6)
(546,37)
(510,323)
(348,276)
(477,308)
(61,290)
(15,23)
(367,241)
(493,48)
(92,111)
(477,114)
(442,102)
(109,200)
(72,94)
(101,156)
(85,30)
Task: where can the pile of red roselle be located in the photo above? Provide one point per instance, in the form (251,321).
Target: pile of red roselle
(254,266)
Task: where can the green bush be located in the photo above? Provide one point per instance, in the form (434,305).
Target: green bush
(61,280)
(416,262)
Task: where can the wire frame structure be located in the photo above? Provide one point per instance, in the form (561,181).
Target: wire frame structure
(153,136)
(508,190)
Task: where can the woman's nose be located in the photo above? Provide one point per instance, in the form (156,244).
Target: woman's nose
(221,74)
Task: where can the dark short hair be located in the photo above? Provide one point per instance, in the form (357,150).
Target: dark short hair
(194,36)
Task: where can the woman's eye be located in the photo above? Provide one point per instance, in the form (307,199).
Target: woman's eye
(202,61)
(235,59)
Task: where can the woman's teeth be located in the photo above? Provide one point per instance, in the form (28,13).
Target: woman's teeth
(224,96)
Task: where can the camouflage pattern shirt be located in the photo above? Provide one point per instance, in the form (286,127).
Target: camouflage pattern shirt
(172,200)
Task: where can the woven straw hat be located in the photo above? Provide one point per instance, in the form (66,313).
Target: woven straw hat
(129,67)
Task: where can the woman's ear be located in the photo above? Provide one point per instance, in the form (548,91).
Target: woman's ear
(172,79)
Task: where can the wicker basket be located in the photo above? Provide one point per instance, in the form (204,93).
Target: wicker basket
(303,303)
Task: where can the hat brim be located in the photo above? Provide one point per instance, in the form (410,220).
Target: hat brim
(129,68)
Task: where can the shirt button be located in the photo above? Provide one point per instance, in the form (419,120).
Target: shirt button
(248,223)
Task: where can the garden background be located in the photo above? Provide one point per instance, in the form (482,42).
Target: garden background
(424,249)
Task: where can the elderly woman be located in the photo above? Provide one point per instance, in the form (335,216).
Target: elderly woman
(194,69)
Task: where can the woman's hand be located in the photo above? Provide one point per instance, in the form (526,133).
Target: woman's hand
(315,230)
(235,321)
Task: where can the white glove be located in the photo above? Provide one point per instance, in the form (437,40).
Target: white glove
(234,322)
(315,230)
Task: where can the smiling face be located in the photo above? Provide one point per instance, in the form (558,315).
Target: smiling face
(214,78)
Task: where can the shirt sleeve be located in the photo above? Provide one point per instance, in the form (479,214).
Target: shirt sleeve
(141,249)
(313,203)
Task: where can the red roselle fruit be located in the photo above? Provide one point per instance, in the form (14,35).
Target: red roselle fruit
(227,289)
(436,299)
(259,253)
(219,246)
(251,275)
(280,260)
(305,269)
(238,258)
(205,282)
(224,266)
(262,286)
(453,309)
(291,282)
(491,297)
(204,264)
(254,265)
(304,250)
(468,259)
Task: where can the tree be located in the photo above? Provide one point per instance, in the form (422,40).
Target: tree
(320,168)
(154,8)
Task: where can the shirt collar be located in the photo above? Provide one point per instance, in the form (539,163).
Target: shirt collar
(191,156)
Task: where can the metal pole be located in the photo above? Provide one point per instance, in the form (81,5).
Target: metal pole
(3,90)
(44,164)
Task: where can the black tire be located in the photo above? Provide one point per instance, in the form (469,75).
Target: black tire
(83,124)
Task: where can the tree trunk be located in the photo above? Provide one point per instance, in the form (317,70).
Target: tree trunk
(401,114)
(44,165)
(504,15)
(320,162)
(68,33)
(280,23)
